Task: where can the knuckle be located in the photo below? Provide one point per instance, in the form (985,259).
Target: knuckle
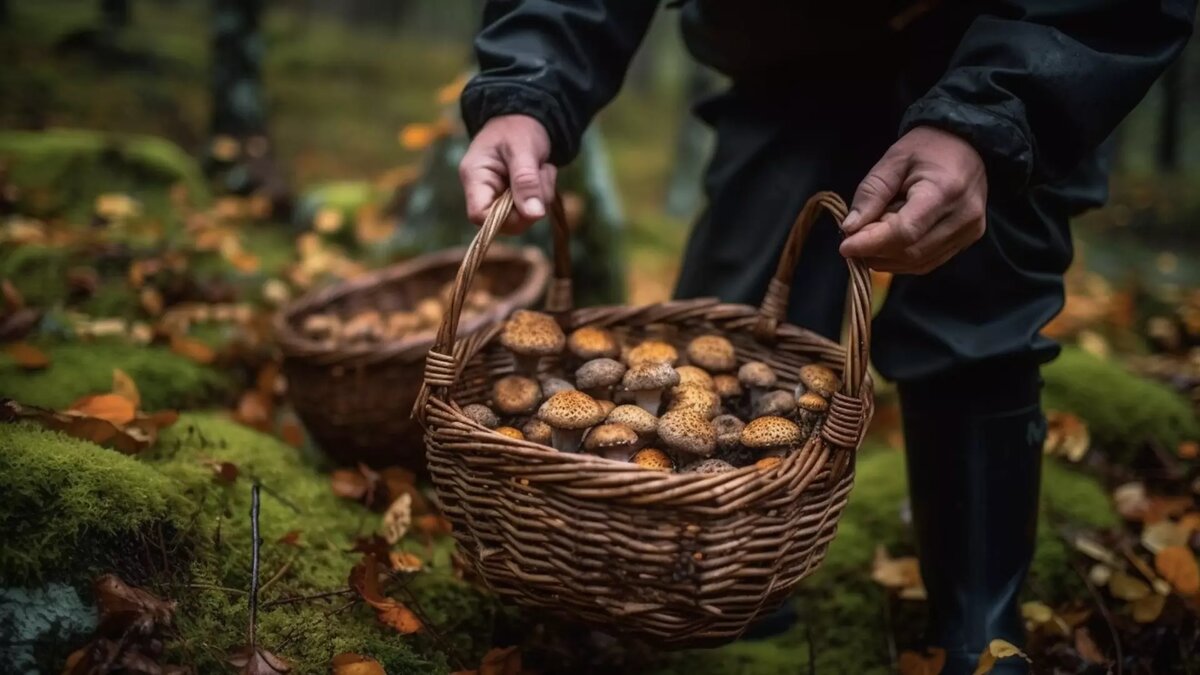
(873,185)
(526,179)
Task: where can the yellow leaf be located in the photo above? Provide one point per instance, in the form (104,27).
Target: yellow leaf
(450,93)
(123,385)
(996,650)
(27,356)
(1163,534)
(1177,564)
(192,349)
(895,573)
(1148,609)
(109,407)
(1125,587)
(1037,613)
(417,136)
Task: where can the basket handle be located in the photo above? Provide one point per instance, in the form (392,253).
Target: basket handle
(774,305)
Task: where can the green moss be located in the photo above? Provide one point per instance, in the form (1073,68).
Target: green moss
(164,379)
(1123,411)
(38,272)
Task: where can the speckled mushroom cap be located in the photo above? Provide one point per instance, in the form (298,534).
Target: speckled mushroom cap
(729,430)
(650,375)
(695,398)
(511,432)
(654,459)
(635,417)
(709,466)
(593,342)
(779,403)
(602,372)
(652,351)
(606,406)
(571,410)
(695,375)
(712,353)
(481,415)
(812,402)
(553,385)
(727,386)
(685,431)
(537,431)
(609,436)
(771,432)
(819,379)
(530,333)
(757,374)
(514,394)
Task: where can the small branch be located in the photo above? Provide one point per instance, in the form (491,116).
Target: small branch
(256,545)
(303,598)
(278,497)
(1108,620)
(211,587)
(282,570)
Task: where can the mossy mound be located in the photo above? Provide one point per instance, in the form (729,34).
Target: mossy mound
(1122,411)
(165,379)
(38,272)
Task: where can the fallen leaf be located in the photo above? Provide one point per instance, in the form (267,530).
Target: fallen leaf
(349,663)
(364,578)
(290,538)
(223,472)
(124,386)
(501,661)
(1149,608)
(291,432)
(1066,436)
(258,661)
(1159,508)
(27,356)
(899,574)
(13,300)
(1188,450)
(115,206)
(1086,646)
(996,650)
(403,561)
(397,519)
(123,607)
(417,136)
(1094,549)
(151,300)
(929,663)
(1130,500)
(254,410)
(348,484)
(108,407)
(1190,522)
(1036,612)
(1163,534)
(225,148)
(192,349)
(373,545)
(328,220)
(1126,587)
(1177,564)
(1100,574)
(432,525)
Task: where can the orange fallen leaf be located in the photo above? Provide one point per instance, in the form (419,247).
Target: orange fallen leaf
(1188,450)
(431,524)
(1086,646)
(192,349)
(997,650)
(27,356)
(124,386)
(108,407)
(498,661)
(348,484)
(403,561)
(1177,564)
(254,410)
(417,136)
(929,663)
(364,578)
(349,663)
(1190,522)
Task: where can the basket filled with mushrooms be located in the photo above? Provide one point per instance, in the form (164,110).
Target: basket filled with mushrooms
(669,471)
(354,352)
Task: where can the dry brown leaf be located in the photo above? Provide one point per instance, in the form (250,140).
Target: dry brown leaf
(929,663)
(1188,450)
(1066,436)
(126,606)
(996,650)
(432,525)
(1149,608)
(397,519)
(27,356)
(223,472)
(498,661)
(192,349)
(1126,587)
(108,407)
(1086,646)
(124,386)
(1163,534)
(254,410)
(1159,508)
(364,578)
(1190,522)
(291,432)
(13,300)
(899,574)
(350,663)
(402,561)
(348,484)
(258,661)
(1177,564)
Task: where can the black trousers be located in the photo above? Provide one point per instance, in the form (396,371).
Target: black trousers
(773,152)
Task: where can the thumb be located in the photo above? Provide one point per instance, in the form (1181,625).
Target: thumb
(875,192)
(525,179)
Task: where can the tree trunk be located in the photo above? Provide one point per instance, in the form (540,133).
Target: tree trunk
(1169,123)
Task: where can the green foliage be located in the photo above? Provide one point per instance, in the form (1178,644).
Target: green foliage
(1122,411)
(164,378)
(38,272)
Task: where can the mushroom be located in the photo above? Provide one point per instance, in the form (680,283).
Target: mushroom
(511,432)
(481,415)
(530,336)
(478,299)
(569,414)
(712,353)
(653,459)
(647,381)
(363,328)
(553,385)
(652,351)
(400,324)
(709,466)
(768,463)
(593,342)
(774,435)
(516,395)
(687,433)
(598,377)
(537,431)
(729,431)
(779,403)
(818,379)
(429,311)
(695,398)
(642,422)
(758,378)
(694,375)
(322,327)
(607,406)
(612,441)
(811,406)
(727,387)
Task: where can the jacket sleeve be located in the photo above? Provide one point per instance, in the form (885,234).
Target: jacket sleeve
(1035,85)
(559,61)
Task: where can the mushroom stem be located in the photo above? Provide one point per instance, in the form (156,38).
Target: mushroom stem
(755,394)
(649,400)
(527,365)
(566,440)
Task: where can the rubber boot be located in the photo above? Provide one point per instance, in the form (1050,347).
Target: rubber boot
(974,445)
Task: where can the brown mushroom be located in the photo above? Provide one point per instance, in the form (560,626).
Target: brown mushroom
(779,403)
(322,327)
(429,311)
(768,463)
(598,377)
(653,459)
(593,342)
(647,381)
(709,466)
(481,415)
(652,351)
(606,406)
(634,417)
(553,385)
(819,379)
(695,398)
(695,375)
(712,353)
(774,435)
(810,408)
(687,433)
(570,414)
(363,328)
(758,378)
(727,387)
(511,432)
(537,431)
(611,441)
(530,336)
(516,395)
(729,431)
(400,324)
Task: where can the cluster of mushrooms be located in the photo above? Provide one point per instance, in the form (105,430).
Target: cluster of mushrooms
(372,327)
(699,412)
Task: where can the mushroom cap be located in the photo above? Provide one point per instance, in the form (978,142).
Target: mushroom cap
(779,403)
(553,385)
(709,466)
(537,431)
(650,375)
(363,327)
(767,463)
(820,379)
(696,398)
(728,429)
(713,353)
(695,375)
(653,458)
(812,402)
(610,436)
(652,351)
(757,374)
(635,417)
(593,342)
(530,333)
(511,433)
(606,406)
(400,324)
(771,432)
(515,394)
(686,431)
(481,415)
(727,386)
(571,410)
(602,372)
(429,311)
(321,326)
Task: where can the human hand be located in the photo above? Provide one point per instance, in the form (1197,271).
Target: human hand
(509,151)
(938,185)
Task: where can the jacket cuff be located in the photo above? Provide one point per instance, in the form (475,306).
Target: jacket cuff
(481,101)
(1005,147)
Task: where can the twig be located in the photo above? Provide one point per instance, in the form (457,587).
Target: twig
(1108,620)
(282,570)
(211,587)
(303,598)
(278,497)
(256,544)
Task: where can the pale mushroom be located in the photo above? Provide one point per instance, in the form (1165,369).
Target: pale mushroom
(593,342)
(364,328)
(819,379)
(687,433)
(653,459)
(709,466)
(702,401)
(570,414)
(612,441)
(647,381)
(400,324)
(695,375)
(530,336)
(773,435)
(516,395)
(598,377)
(553,385)
(481,415)
(634,417)
(712,353)
(652,351)
(537,431)
(727,387)
(779,403)
(322,327)
(758,378)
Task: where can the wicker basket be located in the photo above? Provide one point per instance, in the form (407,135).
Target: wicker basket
(682,559)
(354,400)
